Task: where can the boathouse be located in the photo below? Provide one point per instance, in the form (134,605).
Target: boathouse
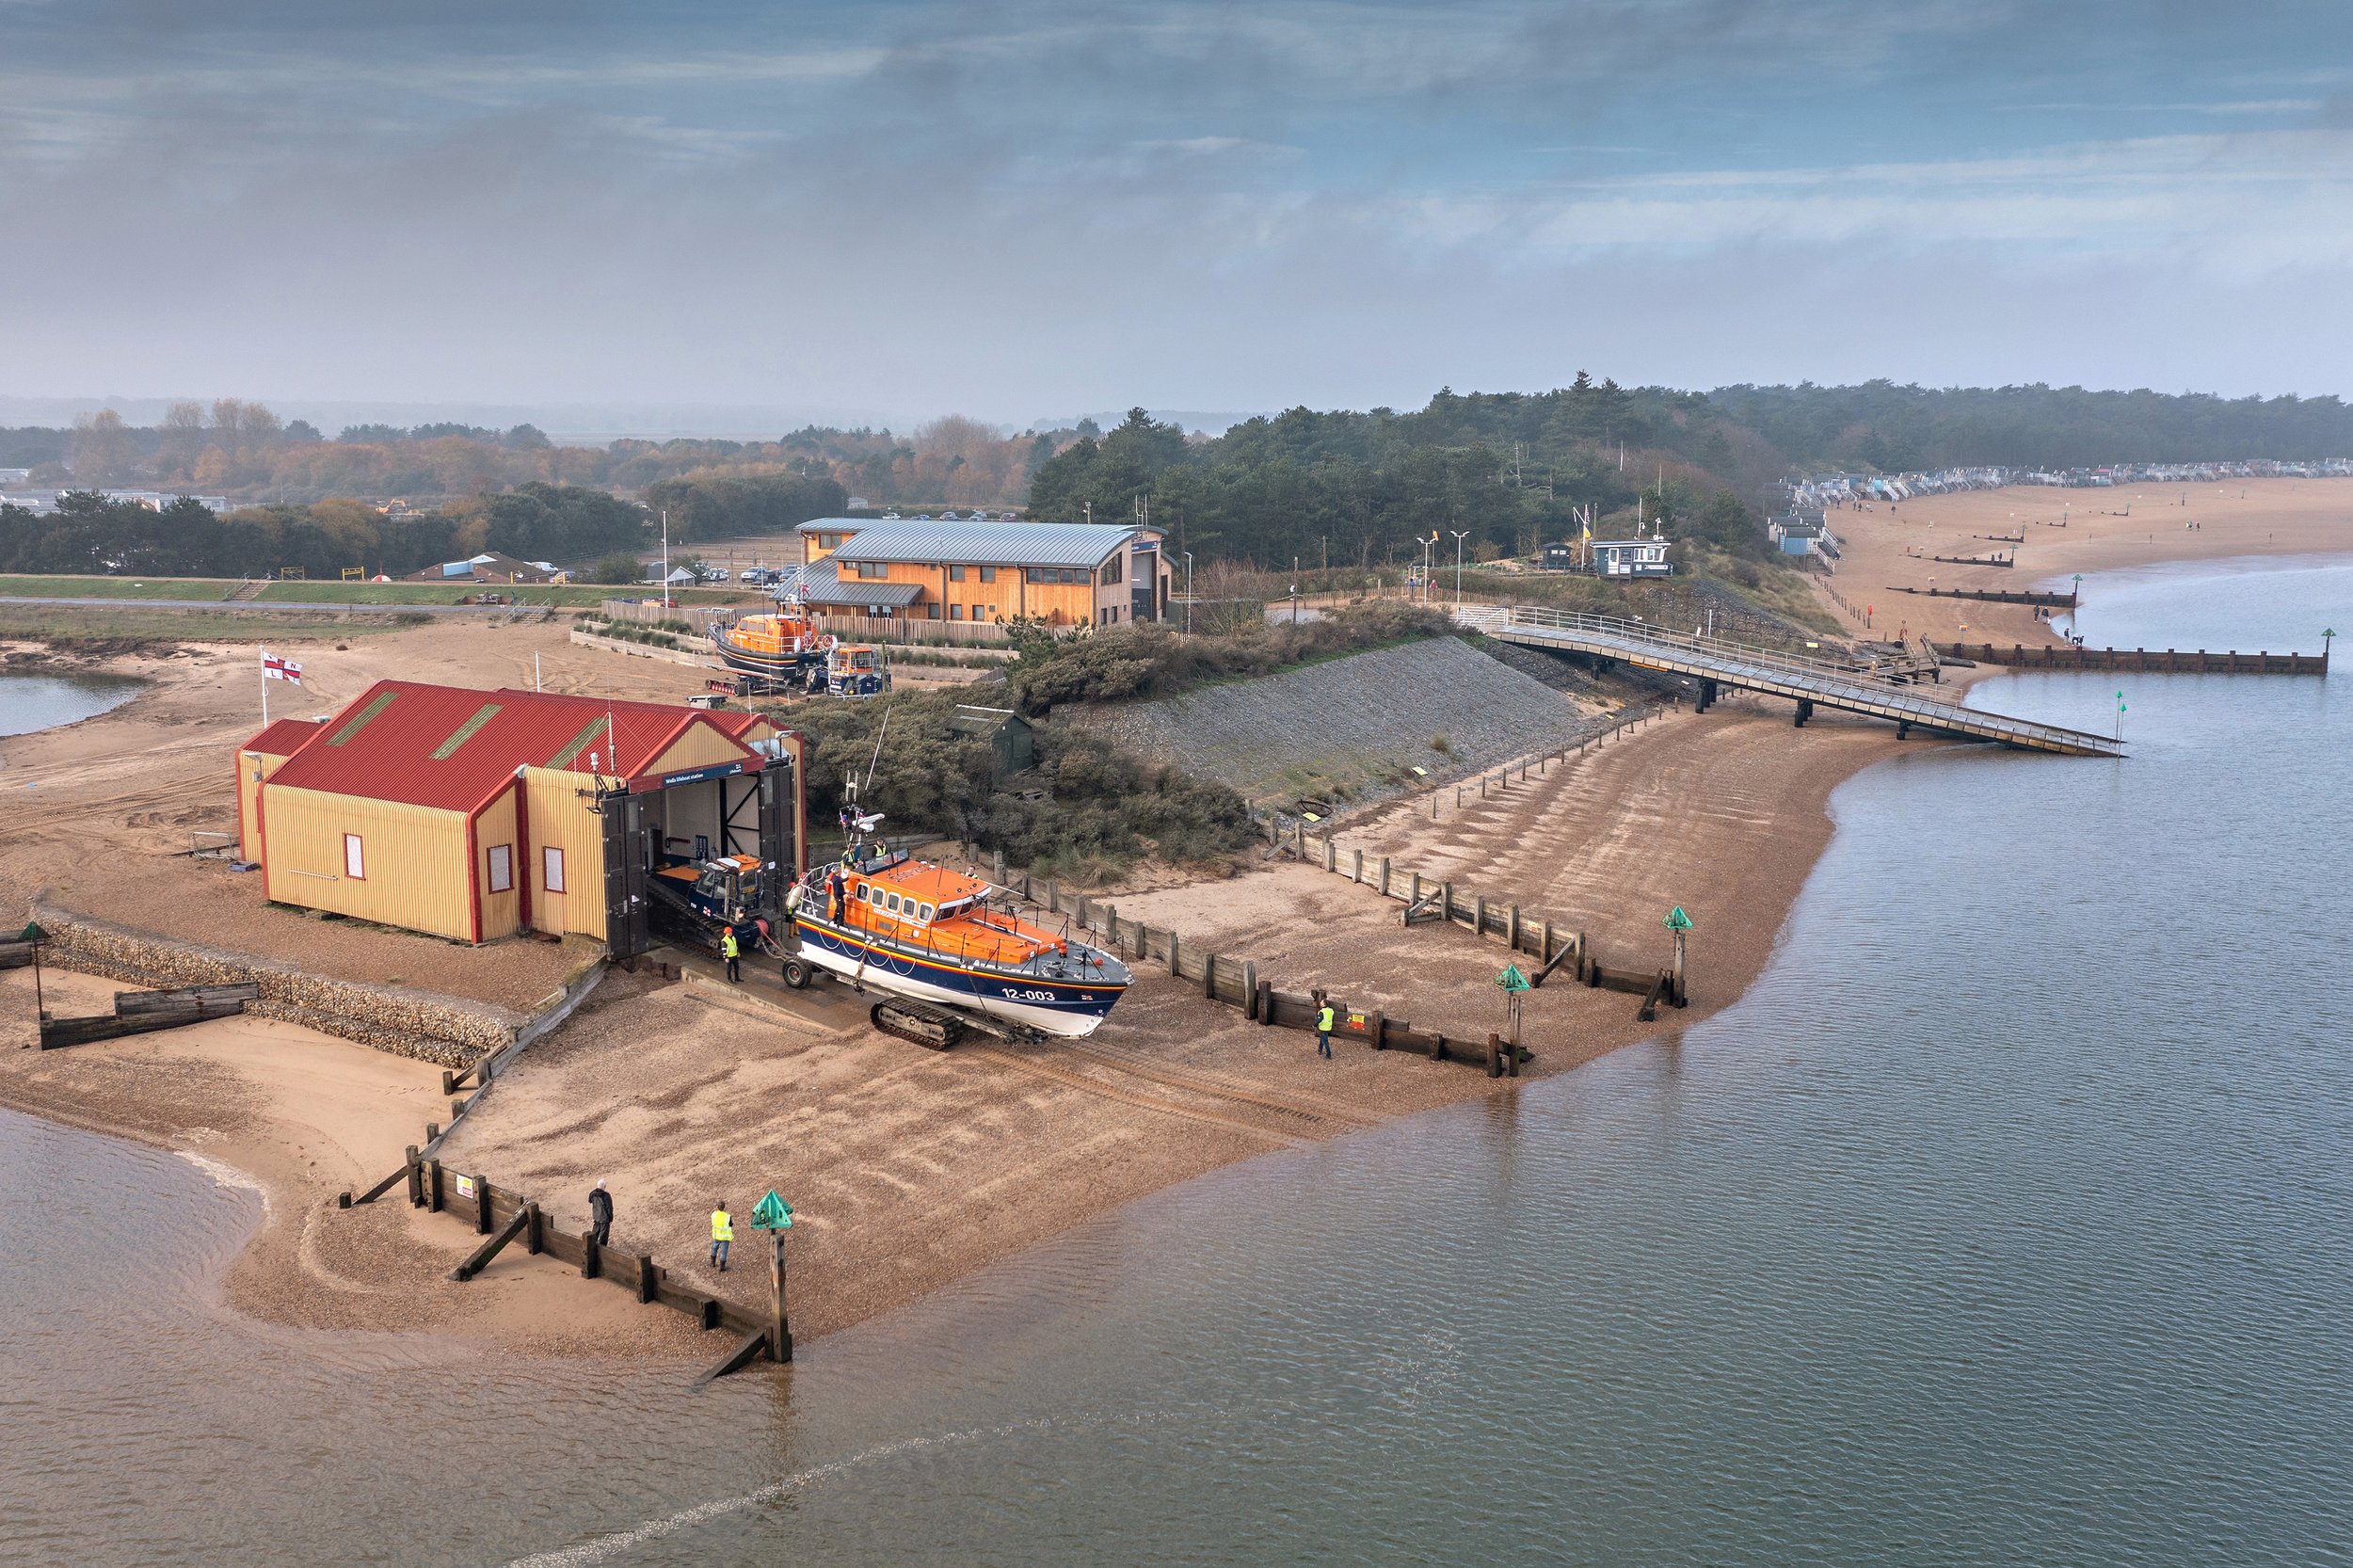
(982,570)
(478,814)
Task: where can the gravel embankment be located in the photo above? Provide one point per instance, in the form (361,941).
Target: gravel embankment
(1353,727)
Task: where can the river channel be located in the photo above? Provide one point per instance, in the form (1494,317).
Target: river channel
(2008,1219)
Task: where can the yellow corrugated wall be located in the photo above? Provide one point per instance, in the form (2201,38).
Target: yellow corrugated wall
(562,813)
(700,748)
(413,859)
(253,770)
(502,913)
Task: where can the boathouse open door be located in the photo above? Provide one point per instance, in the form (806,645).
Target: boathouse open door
(627,854)
(779,798)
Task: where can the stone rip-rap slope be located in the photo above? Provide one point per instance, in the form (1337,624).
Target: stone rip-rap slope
(1352,725)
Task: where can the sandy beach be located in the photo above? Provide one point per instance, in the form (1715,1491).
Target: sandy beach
(909,1168)
(1884,548)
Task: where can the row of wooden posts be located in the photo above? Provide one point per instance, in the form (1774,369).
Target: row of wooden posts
(1500,778)
(1435,899)
(502,1217)
(1237,981)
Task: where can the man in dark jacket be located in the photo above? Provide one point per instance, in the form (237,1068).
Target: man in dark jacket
(600,1216)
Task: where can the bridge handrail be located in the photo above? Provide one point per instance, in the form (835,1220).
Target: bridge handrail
(1768,661)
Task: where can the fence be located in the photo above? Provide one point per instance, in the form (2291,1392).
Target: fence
(1430,898)
(504,1217)
(2043,657)
(1237,983)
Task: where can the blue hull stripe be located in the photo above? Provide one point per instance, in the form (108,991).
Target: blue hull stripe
(1065,996)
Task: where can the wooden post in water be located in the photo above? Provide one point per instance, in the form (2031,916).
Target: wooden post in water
(779,1332)
(1495,1056)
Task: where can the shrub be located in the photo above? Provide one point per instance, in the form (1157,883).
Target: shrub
(1133,661)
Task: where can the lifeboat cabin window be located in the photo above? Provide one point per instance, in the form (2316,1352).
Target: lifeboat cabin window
(893,904)
(925,913)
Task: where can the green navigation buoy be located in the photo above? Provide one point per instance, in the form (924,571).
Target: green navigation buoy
(772,1213)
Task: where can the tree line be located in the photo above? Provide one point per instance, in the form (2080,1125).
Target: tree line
(90,534)
(244,451)
(1512,469)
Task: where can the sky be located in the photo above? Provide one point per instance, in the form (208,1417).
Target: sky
(613,213)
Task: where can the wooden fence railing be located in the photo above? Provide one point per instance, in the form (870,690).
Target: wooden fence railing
(1237,983)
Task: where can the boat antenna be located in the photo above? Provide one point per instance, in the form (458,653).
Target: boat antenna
(878,740)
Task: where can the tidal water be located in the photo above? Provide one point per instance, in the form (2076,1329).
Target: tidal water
(2008,1220)
(30,702)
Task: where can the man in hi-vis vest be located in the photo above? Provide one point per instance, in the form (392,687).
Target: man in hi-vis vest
(721,1232)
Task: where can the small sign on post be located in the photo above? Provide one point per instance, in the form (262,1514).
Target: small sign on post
(774,1216)
(33,937)
(1514,984)
(1680,923)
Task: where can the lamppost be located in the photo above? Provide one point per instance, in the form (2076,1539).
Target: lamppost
(1188,593)
(1429,545)
(1459,534)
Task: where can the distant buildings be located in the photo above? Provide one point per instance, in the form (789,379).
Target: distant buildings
(43,502)
(489,567)
(1636,557)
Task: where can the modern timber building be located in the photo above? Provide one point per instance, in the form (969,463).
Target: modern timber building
(478,814)
(1061,574)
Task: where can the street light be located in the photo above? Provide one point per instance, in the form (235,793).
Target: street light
(1188,593)
(1429,545)
(1459,534)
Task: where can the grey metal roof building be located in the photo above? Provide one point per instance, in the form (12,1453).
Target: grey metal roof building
(820,584)
(986,544)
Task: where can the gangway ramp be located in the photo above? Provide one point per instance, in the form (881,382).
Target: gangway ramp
(1716,661)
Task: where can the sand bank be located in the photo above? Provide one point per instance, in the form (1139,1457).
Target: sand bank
(1884,547)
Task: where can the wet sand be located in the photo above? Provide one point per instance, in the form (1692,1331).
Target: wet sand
(1884,548)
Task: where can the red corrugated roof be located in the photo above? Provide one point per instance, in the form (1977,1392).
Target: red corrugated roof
(283,736)
(453,748)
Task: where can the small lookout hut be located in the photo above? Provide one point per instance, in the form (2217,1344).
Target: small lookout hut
(1013,746)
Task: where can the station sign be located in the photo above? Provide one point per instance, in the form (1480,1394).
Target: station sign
(696,776)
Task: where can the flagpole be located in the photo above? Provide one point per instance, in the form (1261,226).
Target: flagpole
(265,688)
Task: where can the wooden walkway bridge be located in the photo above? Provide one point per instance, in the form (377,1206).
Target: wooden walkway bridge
(1715,663)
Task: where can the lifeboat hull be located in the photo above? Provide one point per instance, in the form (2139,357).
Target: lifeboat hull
(1066,1007)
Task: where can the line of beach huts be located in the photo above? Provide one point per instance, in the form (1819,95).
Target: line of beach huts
(1818,491)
